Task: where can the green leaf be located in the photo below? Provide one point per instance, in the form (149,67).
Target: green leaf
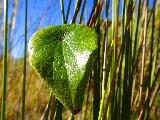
(63,56)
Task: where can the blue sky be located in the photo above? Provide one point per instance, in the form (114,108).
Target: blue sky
(40,14)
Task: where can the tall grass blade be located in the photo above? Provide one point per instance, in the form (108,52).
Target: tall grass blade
(71,117)
(93,9)
(58,115)
(151,78)
(143,55)
(46,111)
(53,108)
(106,68)
(152,66)
(25,58)
(135,45)
(62,11)
(97,12)
(87,97)
(96,82)
(81,17)
(96,92)
(76,11)
(112,82)
(4,74)
(69,6)
(136,32)
(125,36)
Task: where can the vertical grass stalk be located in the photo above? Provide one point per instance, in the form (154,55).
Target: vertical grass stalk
(4,78)
(150,80)
(62,11)
(25,57)
(143,54)
(96,81)
(69,6)
(93,9)
(112,89)
(58,115)
(71,117)
(78,5)
(46,111)
(81,17)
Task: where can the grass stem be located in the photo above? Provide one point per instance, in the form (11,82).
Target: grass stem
(76,11)
(69,7)
(25,58)
(4,78)
(62,11)
(71,117)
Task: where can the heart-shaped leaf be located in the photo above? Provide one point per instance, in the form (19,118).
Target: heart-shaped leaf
(63,55)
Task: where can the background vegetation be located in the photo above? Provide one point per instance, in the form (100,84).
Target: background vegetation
(125,82)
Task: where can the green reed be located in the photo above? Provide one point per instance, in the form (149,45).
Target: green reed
(25,61)
(4,78)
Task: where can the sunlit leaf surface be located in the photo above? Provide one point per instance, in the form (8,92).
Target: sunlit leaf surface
(63,56)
